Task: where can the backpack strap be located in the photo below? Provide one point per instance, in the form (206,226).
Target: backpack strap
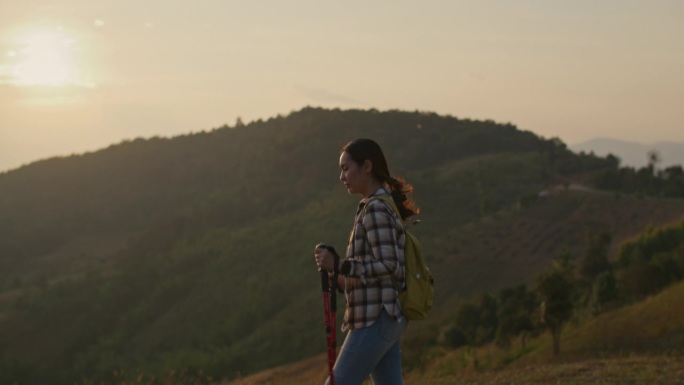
(389,202)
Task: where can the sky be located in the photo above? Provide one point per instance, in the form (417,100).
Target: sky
(79,75)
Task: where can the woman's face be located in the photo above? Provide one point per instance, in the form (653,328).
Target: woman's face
(354,176)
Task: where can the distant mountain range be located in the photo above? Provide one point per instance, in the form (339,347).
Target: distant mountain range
(632,153)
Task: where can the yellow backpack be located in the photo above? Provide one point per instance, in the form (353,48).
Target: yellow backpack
(419,290)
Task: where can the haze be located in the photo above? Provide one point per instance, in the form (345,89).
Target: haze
(79,75)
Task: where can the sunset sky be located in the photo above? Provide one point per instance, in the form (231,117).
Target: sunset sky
(78,75)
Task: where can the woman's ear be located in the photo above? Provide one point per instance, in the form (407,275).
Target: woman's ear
(368,166)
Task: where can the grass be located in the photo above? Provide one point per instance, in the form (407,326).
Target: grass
(632,369)
(661,369)
(637,344)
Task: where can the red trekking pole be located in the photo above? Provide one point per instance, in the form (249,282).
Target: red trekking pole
(329,286)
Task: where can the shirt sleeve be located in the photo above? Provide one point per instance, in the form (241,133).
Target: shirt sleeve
(379,224)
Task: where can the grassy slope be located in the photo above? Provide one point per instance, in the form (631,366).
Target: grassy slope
(662,369)
(513,246)
(655,324)
(637,344)
(665,369)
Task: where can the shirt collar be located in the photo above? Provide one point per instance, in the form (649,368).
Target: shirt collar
(378,192)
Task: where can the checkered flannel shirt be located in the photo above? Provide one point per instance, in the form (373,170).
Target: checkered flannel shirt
(376,251)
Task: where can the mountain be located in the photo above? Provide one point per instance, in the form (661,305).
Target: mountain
(634,154)
(194,253)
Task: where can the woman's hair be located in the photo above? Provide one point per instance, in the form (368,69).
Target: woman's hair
(363,149)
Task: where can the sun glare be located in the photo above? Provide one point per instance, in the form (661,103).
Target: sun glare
(44,58)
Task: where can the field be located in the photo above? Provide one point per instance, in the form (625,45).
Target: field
(639,369)
(637,344)
(662,369)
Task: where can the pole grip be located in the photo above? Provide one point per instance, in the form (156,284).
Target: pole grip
(325,283)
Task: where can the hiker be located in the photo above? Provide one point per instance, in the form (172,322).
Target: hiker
(372,270)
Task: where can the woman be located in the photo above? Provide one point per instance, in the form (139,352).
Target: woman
(372,270)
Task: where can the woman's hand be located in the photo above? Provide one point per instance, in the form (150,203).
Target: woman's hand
(324,259)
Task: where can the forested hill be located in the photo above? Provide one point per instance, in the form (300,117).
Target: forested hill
(195,252)
(241,173)
(230,176)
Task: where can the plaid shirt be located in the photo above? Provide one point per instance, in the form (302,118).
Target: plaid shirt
(376,252)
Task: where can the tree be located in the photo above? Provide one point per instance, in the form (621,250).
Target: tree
(653,160)
(516,306)
(488,321)
(674,181)
(613,161)
(239,122)
(638,279)
(464,331)
(604,291)
(595,260)
(555,288)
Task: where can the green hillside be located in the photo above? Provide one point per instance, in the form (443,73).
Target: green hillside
(635,344)
(655,324)
(195,252)
(639,343)
(664,369)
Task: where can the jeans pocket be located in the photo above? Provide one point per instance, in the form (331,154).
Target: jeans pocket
(390,329)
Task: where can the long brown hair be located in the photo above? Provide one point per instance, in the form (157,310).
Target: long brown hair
(363,149)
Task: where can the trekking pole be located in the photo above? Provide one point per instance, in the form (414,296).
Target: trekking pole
(329,286)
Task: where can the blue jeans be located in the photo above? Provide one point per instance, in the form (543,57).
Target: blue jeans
(373,351)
